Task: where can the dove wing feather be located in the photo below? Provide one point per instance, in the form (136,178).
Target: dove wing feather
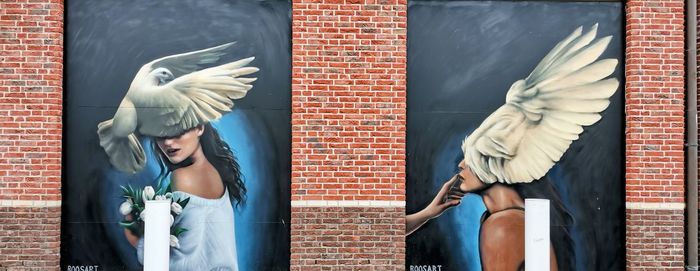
(544,113)
(181,64)
(199,97)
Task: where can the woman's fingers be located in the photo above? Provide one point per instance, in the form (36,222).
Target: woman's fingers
(450,203)
(454,198)
(446,186)
(456,191)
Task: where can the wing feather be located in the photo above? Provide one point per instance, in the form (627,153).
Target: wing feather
(573,105)
(202,96)
(185,63)
(544,113)
(589,74)
(595,90)
(580,119)
(555,53)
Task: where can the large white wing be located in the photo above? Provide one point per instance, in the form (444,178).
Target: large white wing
(185,63)
(196,98)
(544,112)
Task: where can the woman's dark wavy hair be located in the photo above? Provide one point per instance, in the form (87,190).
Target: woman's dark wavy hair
(219,155)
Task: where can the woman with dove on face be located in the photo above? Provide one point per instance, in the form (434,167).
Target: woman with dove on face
(172,100)
(507,156)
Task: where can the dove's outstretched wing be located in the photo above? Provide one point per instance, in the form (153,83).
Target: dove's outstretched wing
(544,112)
(185,63)
(196,98)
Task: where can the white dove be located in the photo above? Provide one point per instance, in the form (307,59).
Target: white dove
(170,95)
(544,113)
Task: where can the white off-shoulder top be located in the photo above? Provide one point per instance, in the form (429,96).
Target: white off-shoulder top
(210,240)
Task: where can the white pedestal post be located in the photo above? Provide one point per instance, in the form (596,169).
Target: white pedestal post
(156,255)
(537,235)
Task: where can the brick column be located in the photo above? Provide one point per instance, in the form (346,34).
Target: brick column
(348,134)
(654,97)
(31,71)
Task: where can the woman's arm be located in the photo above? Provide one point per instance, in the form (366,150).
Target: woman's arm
(131,237)
(435,208)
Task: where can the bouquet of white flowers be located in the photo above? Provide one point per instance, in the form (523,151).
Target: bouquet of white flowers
(134,206)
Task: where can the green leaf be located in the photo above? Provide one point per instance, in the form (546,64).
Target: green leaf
(124,190)
(184,202)
(138,198)
(160,189)
(179,231)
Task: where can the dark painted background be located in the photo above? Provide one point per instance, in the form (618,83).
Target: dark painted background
(106,43)
(462,58)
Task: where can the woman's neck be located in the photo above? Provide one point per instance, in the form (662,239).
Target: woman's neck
(198,158)
(499,197)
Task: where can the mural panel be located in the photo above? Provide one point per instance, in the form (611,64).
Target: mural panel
(507,101)
(186,101)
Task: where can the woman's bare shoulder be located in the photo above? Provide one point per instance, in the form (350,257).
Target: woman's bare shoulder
(202,182)
(505,226)
(184,180)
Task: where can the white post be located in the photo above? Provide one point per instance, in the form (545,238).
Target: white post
(156,255)
(537,235)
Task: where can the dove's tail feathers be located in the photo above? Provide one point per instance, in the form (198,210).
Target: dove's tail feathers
(125,153)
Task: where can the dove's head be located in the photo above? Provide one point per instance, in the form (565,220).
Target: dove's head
(162,75)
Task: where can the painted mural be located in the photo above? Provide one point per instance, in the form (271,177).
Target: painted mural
(187,102)
(508,101)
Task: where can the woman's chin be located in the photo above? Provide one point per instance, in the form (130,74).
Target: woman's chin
(175,161)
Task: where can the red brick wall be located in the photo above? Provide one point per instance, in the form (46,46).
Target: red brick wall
(29,238)
(31,70)
(348,133)
(654,97)
(348,99)
(357,238)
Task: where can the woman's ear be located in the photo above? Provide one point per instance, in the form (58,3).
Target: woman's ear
(200,130)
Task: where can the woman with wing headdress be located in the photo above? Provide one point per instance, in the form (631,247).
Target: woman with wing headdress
(173,100)
(514,147)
